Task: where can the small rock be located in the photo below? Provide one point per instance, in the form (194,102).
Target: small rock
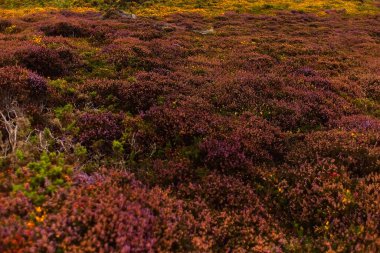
(118,14)
(167,27)
(206,32)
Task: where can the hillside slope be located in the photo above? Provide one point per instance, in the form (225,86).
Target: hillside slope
(192,132)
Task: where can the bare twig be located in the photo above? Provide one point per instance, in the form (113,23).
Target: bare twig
(10,123)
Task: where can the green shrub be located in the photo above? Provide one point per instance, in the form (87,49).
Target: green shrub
(42,178)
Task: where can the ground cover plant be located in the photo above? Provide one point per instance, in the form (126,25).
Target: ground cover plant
(195,126)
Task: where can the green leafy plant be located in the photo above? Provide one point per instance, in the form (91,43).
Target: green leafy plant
(42,178)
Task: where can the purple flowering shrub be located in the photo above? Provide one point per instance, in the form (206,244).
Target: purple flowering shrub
(250,141)
(134,96)
(99,129)
(65,29)
(360,123)
(21,85)
(359,152)
(70,28)
(114,213)
(47,62)
(225,154)
(335,210)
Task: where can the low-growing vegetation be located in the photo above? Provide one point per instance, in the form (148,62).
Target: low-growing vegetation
(218,127)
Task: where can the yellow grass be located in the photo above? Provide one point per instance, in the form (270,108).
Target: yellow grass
(213,8)
(9,13)
(218,7)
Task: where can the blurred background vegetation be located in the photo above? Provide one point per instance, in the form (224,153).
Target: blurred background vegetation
(210,7)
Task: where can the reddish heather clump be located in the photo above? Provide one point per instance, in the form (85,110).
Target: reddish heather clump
(113,213)
(359,152)
(99,127)
(65,29)
(47,62)
(21,85)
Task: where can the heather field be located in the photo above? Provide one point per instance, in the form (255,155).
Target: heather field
(189,126)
